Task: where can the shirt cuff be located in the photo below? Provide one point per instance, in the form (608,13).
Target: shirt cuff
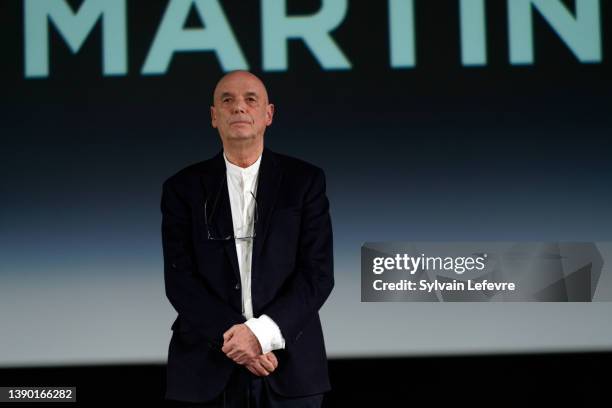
(267,332)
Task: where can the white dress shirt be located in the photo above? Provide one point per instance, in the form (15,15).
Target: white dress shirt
(241,182)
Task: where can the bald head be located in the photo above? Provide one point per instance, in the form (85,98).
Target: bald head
(245,78)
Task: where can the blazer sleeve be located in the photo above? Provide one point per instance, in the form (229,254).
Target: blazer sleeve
(202,310)
(313,278)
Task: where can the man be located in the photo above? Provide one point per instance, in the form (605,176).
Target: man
(247,244)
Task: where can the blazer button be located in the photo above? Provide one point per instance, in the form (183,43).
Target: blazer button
(237,287)
(173,266)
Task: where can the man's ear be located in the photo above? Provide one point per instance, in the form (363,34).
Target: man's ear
(269,114)
(213,117)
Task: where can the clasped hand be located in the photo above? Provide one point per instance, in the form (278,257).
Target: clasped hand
(242,346)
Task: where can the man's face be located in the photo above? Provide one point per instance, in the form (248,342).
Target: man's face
(241,110)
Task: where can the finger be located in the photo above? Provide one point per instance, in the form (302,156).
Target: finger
(242,359)
(247,358)
(228,348)
(233,354)
(272,358)
(266,364)
(251,369)
(228,334)
(260,370)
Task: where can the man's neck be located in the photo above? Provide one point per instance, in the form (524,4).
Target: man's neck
(242,157)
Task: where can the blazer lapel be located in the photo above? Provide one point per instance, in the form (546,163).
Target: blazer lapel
(268,184)
(220,215)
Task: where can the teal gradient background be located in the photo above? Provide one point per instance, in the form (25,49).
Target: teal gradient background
(437,152)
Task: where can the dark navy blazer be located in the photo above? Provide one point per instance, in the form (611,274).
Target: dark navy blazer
(291,274)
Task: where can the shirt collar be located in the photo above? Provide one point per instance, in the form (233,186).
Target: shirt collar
(240,171)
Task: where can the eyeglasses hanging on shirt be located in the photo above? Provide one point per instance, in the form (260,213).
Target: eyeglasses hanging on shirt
(207,221)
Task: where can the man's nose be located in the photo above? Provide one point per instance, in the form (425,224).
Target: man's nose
(239,106)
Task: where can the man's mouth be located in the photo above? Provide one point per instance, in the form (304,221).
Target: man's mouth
(240,122)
